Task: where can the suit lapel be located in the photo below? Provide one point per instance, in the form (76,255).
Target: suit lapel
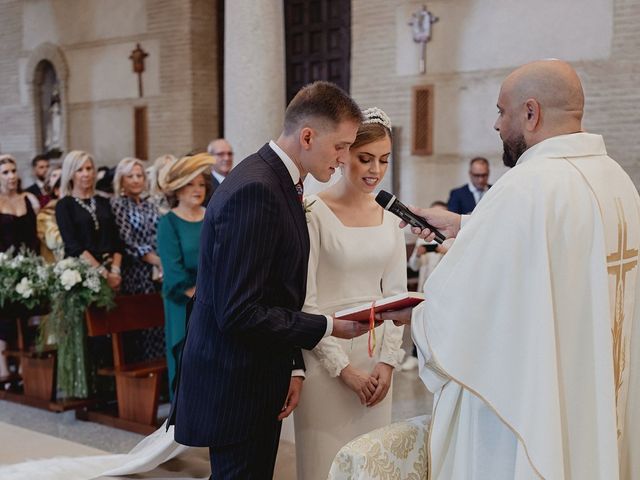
(289,192)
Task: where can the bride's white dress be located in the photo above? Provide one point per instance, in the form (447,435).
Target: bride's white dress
(348,266)
(152,451)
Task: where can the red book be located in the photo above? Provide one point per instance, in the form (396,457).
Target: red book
(397,302)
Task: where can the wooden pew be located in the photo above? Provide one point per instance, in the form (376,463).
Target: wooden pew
(38,372)
(137,384)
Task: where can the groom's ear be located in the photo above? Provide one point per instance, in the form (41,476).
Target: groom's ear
(306,137)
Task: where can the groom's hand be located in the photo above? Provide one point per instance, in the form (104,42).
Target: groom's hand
(399,317)
(293,397)
(349,329)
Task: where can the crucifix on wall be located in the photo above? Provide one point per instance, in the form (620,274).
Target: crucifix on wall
(140,123)
(137,57)
(421,22)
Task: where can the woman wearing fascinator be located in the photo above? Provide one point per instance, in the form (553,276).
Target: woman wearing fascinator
(358,255)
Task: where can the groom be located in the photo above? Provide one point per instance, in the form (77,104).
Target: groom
(242,367)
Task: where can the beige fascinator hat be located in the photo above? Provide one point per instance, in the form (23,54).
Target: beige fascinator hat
(176,175)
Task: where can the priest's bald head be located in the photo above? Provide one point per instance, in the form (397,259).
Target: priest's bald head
(537,101)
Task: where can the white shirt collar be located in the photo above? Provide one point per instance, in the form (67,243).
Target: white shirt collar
(217,176)
(291,167)
(40,184)
(474,189)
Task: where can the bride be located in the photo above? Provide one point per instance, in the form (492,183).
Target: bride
(357,255)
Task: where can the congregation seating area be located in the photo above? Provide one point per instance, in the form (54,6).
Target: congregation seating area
(134,404)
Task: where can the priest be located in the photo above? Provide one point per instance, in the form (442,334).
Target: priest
(530,336)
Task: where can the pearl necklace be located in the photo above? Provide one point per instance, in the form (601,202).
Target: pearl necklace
(91,208)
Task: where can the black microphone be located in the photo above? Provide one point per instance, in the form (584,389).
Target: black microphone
(395,206)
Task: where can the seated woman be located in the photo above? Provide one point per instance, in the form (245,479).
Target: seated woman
(358,255)
(17,229)
(186,184)
(86,221)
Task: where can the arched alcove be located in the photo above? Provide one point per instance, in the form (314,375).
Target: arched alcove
(47,80)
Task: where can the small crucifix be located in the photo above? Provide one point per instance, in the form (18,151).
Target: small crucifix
(421,22)
(137,57)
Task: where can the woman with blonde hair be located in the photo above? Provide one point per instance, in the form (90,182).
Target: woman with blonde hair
(156,195)
(137,220)
(86,221)
(186,184)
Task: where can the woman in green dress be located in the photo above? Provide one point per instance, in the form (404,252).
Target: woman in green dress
(186,184)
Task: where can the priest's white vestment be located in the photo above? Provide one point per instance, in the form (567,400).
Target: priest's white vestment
(530,336)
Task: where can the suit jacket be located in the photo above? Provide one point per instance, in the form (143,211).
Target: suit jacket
(214,186)
(246,329)
(461,200)
(35,189)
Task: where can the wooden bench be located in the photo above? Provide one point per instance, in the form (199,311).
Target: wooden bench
(137,384)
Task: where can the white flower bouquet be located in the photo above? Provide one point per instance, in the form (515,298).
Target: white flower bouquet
(75,286)
(25,281)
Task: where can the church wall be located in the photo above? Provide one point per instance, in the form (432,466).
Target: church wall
(96,39)
(474,45)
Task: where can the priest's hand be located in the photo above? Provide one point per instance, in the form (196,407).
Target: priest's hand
(360,382)
(349,329)
(381,372)
(399,317)
(448,223)
(293,397)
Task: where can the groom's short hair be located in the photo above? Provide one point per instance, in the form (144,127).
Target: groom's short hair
(323,103)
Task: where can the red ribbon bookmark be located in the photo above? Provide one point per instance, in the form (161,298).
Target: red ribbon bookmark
(372,329)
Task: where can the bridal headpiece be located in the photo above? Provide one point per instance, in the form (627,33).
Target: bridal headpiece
(376,115)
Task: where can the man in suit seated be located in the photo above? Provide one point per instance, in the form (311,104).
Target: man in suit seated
(221,150)
(39,168)
(242,369)
(464,199)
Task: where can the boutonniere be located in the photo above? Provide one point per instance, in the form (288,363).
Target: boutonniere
(306,206)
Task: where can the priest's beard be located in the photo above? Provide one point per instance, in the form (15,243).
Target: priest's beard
(513,149)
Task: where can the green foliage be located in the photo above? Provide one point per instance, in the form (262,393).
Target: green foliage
(76,285)
(69,287)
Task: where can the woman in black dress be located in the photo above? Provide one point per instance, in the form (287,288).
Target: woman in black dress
(86,222)
(17,229)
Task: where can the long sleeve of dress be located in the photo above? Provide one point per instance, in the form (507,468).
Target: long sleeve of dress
(137,243)
(66,225)
(331,355)
(176,277)
(394,281)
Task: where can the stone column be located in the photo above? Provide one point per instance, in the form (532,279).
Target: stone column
(254,73)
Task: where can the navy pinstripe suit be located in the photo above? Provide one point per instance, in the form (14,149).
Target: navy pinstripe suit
(245,330)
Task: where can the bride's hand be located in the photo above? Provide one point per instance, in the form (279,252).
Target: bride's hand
(382,372)
(360,382)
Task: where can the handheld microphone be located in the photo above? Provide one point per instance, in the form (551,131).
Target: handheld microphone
(395,206)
